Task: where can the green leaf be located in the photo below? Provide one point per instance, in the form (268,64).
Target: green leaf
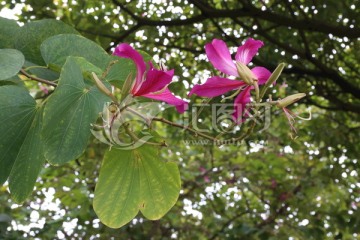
(32,34)
(28,163)
(41,71)
(126,87)
(11,61)
(87,68)
(119,72)
(17,110)
(56,49)
(15,80)
(69,113)
(8,30)
(133,180)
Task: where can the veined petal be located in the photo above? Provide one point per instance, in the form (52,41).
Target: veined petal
(247,51)
(168,97)
(219,55)
(216,86)
(155,81)
(126,51)
(240,103)
(261,73)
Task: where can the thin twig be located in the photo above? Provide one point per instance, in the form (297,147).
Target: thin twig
(37,78)
(136,139)
(163,120)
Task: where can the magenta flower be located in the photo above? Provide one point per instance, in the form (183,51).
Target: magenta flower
(150,83)
(219,56)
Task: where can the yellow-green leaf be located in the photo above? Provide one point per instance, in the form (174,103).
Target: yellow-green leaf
(133,180)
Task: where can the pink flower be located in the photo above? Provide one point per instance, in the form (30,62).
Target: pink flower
(44,89)
(219,56)
(150,83)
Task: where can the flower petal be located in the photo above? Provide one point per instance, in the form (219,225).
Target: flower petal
(155,81)
(262,74)
(168,97)
(126,51)
(240,102)
(247,51)
(219,55)
(215,86)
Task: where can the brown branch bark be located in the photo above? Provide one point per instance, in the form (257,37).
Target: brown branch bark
(208,12)
(149,22)
(38,79)
(248,10)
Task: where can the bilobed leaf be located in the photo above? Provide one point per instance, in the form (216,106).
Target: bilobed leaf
(133,180)
(69,113)
(32,34)
(160,184)
(56,49)
(17,110)
(29,161)
(8,30)
(11,61)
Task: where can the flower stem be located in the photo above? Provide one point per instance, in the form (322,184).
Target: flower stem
(257,92)
(34,67)
(269,103)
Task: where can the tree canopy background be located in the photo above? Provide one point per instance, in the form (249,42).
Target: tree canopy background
(269,187)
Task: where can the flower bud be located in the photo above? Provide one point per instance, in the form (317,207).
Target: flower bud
(245,73)
(100,85)
(275,75)
(113,108)
(103,88)
(290,100)
(127,87)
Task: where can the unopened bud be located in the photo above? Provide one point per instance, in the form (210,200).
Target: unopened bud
(100,85)
(103,88)
(290,100)
(245,73)
(127,86)
(275,75)
(113,108)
